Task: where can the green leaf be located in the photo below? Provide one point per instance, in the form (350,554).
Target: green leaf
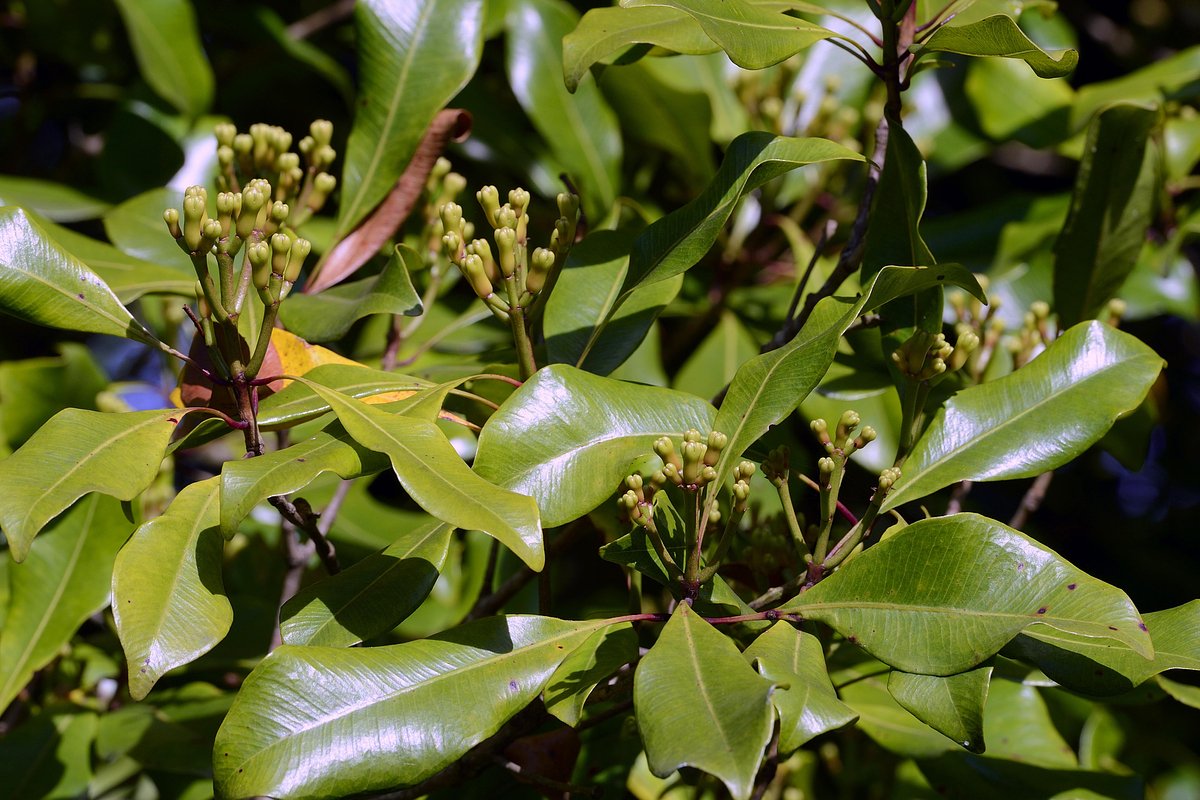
(64,580)
(51,200)
(754,37)
(168,600)
(370,719)
(49,756)
(1035,419)
(371,597)
(247,482)
(296,403)
(713,364)
(970,777)
(1154,83)
(999,36)
(604,31)
(1111,208)
(894,236)
(412,59)
(41,282)
(604,652)
(75,453)
(676,242)
(567,438)
(35,389)
(804,697)
(894,600)
(577,324)
(329,315)
(700,704)
(1103,667)
(580,129)
(166,44)
(951,705)
(128,276)
(437,479)
(1018,727)
(136,228)
(887,722)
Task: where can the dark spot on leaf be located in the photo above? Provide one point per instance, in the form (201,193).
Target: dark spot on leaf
(1142,627)
(1042,610)
(172,419)
(142,670)
(1070,587)
(1020,566)
(1111,628)
(80,296)
(558,646)
(301,460)
(941,277)
(852,639)
(512,685)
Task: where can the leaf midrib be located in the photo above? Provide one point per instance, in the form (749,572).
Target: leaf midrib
(973,443)
(454,671)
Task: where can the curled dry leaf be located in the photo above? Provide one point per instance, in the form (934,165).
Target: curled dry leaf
(364,241)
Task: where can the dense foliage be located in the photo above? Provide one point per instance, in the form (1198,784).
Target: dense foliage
(785,434)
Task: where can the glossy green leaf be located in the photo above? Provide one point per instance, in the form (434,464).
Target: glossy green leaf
(753,36)
(296,403)
(128,276)
(804,697)
(369,719)
(602,32)
(1035,419)
(567,437)
(578,327)
(894,237)
(1013,103)
(918,620)
(49,756)
(64,580)
(329,315)
(75,453)
(999,36)
(166,44)
(43,283)
(372,596)
(247,482)
(168,597)
(676,242)
(951,705)
(600,656)
(580,129)
(767,388)
(969,777)
(1113,203)
(412,59)
(1103,667)
(55,201)
(713,364)
(700,704)
(136,228)
(438,480)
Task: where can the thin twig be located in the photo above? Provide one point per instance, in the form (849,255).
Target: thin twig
(296,556)
(318,20)
(1032,500)
(827,232)
(961,490)
(489,604)
(543,783)
(851,256)
(301,515)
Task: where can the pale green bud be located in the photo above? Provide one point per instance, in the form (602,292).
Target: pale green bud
(280,245)
(506,241)
(299,252)
(171,217)
(489,201)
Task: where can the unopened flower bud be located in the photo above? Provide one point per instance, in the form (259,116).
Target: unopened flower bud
(707,474)
(888,478)
(867,436)
(451,214)
(519,200)
(452,246)
(489,201)
(299,252)
(825,466)
(454,184)
(1040,309)
(209,234)
(716,443)
(744,470)
(664,448)
(259,254)
(194,216)
(321,131)
(440,169)
(568,205)
(506,241)
(820,429)
(472,267)
(846,425)
(280,245)
(225,132)
(171,217)
(506,217)
(540,263)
